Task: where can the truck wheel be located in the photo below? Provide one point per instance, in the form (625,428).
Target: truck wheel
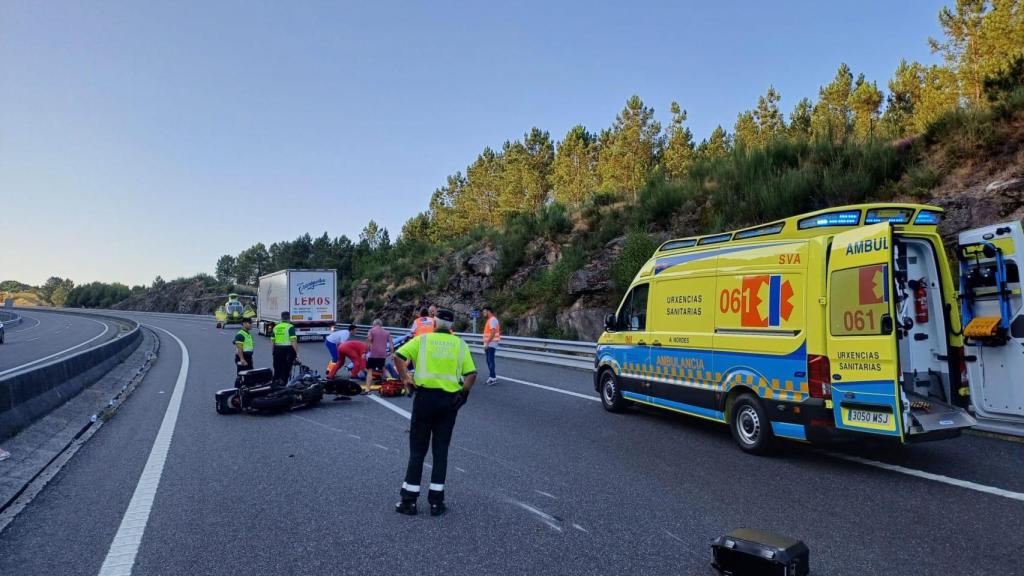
(611,393)
(750,426)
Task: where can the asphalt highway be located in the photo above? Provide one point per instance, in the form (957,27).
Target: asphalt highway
(541,481)
(45,335)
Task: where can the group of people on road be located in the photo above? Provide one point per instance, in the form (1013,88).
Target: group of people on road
(445,373)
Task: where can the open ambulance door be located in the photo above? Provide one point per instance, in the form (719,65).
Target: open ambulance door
(992,310)
(862,348)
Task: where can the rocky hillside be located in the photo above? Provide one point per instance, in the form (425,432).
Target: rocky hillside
(198,295)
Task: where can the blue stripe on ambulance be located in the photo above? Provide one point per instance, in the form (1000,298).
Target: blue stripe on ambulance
(694,391)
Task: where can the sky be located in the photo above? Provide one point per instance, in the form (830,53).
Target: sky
(149,138)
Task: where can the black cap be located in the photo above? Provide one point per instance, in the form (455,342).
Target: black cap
(446,315)
(246,320)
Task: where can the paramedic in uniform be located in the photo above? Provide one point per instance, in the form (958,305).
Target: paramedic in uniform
(444,375)
(243,347)
(286,348)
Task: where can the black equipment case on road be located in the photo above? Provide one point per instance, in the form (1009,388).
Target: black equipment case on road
(747,552)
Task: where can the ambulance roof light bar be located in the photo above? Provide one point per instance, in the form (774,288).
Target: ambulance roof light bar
(890,215)
(928,218)
(843,218)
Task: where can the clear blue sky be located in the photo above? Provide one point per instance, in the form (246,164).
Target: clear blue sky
(146,138)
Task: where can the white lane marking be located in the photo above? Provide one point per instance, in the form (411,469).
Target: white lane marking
(581,528)
(106,329)
(121,555)
(929,476)
(381,446)
(546,518)
(890,467)
(674,537)
(460,469)
(545,494)
(390,406)
(550,388)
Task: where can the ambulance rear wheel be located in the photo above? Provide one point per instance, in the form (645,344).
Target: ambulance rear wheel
(611,393)
(750,426)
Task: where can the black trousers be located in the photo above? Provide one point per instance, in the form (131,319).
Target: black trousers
(248,360)
(433,419)
(283,357)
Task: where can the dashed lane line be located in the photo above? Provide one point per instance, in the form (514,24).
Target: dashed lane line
(125,547)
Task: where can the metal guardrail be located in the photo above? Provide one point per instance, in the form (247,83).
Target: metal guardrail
(568,353)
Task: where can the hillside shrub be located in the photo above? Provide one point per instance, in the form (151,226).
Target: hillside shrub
(636,251)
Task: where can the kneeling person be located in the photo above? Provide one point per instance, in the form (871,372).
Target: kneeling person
(355,351)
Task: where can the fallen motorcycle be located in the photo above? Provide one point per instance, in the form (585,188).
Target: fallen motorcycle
(256,391)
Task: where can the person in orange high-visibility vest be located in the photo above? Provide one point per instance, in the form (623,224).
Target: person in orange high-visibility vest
(492,337)
(422,325)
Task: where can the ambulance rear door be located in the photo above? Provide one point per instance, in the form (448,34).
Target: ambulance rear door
(994,364)
(861,338)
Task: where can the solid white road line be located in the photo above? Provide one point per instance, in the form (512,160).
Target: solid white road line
(121,556)
(390,406)
(106,329)
(929,476)
(550,388)
(890,467)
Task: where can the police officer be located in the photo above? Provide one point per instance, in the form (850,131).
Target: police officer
(444,375)
(243,347)
(286,348)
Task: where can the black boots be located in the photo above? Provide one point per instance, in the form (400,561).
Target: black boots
(438,508)
(407,507)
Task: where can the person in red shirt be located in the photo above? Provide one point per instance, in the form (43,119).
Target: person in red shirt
(355,351)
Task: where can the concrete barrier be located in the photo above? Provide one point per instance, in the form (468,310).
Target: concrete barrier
(9,318)
(29,395)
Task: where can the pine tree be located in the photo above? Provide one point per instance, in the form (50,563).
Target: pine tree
(479,201)
(716,146)
(981,36)
(746,133)
(680,151)
(630,150)
(800,119)
(865,101)
(770,122)
(574,177)
(525,173)
(225,268)
(904,95)
(830,119)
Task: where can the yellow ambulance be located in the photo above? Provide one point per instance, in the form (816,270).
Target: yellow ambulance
(836,324)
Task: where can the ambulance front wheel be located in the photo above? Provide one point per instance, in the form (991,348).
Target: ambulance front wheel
(611,393)
(750,426)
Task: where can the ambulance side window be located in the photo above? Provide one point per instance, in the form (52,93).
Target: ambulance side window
(633,314)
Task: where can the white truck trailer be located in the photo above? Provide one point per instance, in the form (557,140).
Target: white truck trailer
(310,296)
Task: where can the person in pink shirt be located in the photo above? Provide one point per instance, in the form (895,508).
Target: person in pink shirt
(378,342)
